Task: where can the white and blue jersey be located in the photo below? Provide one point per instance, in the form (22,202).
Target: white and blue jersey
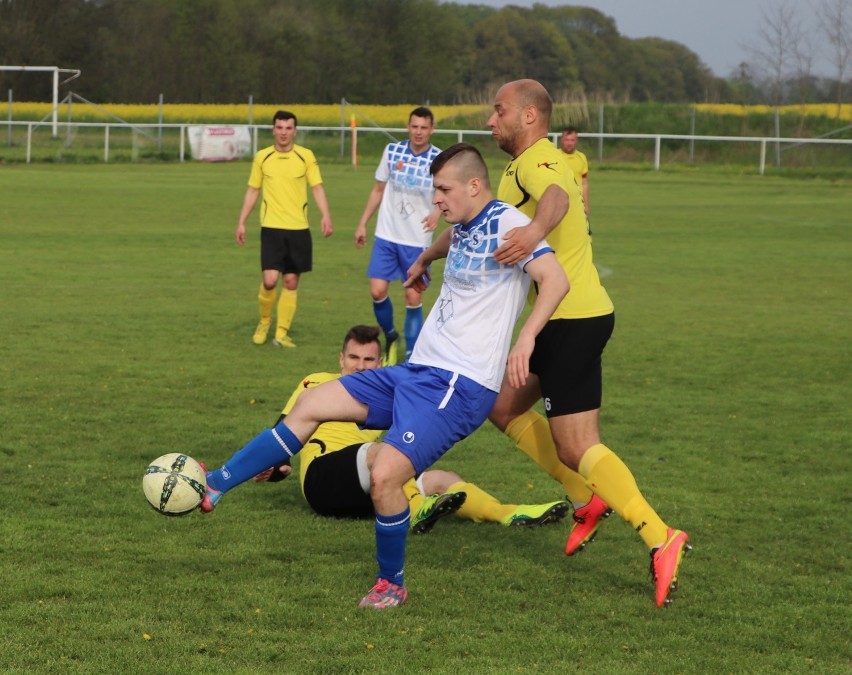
(407,199)
(469,329)
(448,387)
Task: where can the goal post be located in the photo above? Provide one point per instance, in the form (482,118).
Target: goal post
(75,73)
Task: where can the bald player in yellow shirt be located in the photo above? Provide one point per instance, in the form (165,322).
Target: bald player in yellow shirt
(283,172)
(566,363)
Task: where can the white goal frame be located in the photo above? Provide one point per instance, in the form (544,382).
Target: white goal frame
(75,73)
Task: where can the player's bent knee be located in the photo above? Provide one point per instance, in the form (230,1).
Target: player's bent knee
(383,487)
(500,417)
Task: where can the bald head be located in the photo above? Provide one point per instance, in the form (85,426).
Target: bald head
(522,111)
(533,93)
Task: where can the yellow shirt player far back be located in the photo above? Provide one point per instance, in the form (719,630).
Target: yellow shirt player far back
(523,183)
(579,164)
(284,178)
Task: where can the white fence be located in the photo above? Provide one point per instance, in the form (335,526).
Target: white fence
(152,134)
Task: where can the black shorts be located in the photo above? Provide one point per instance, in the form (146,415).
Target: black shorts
(332,487)
(288,251)
(567,360)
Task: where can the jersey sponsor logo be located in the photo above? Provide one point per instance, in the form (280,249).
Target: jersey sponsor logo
(469,238)
(408,437)
(547,165)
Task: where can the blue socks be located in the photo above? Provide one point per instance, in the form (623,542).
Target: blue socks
(270,448)
(383,309)
(391,533)
(413,324)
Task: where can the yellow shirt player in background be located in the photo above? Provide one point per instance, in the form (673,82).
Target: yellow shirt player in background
(577,160)
(335,464)
(283,172)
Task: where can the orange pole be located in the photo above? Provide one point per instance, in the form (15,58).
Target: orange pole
(354,126)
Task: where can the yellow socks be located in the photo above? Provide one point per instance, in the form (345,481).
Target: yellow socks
(480,506)
(413,495)
(286,310)
(266,298)
(531,434)
(286,307)
(613,482)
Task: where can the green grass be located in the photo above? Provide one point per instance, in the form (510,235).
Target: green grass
(127,317)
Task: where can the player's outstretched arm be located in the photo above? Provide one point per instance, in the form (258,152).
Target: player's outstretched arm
(546,271)
(521,241)
(438,249)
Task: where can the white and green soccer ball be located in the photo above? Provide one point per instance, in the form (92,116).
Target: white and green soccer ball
(174,484)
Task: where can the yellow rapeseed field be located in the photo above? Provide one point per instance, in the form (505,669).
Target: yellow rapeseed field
(307,114)
(333,115)
(809,109)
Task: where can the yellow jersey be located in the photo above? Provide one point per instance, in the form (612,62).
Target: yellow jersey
(579,164)
(524,181)
(329,436)
(284,178)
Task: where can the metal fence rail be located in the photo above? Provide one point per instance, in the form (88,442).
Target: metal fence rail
(153,134)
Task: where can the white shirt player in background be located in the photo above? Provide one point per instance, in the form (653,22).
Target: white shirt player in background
(403,196)
(448,387)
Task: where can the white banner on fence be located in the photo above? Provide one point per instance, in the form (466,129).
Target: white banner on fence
(219,143)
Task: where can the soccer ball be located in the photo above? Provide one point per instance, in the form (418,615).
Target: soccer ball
(174,484)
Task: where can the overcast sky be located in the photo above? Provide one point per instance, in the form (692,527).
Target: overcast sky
(717,30)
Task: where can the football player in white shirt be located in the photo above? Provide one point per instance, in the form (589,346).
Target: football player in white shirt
(445,392)
(402,194)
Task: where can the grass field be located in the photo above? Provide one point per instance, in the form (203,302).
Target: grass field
(127,313)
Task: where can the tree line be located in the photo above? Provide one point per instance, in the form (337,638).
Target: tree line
(370,51)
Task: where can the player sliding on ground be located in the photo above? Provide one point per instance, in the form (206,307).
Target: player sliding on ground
(334,465)
(448,387)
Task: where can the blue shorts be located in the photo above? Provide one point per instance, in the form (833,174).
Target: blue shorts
(425,410)
(391,261)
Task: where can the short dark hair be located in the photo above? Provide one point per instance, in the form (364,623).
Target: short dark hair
(422,111)
(569,130)
(284,115)
(363,335)
(469,152)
